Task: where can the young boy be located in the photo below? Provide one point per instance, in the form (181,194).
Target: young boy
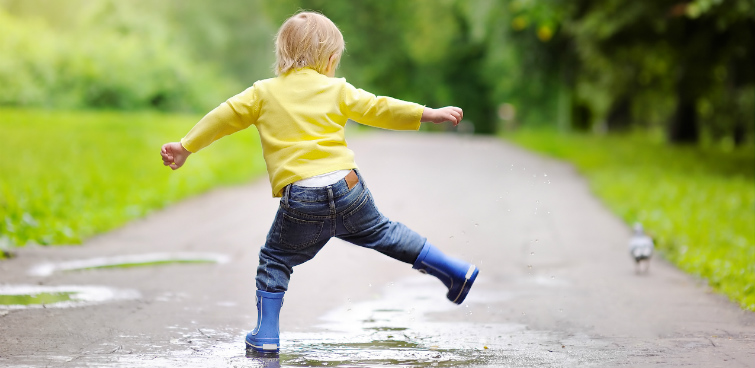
(300,116)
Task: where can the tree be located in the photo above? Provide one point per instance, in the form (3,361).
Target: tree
(640,52)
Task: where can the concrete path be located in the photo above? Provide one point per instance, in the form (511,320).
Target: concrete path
(556,289)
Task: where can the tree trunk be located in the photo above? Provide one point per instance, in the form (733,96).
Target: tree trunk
(620,116)
(684,127)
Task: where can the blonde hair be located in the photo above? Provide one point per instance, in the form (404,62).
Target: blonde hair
(307,39)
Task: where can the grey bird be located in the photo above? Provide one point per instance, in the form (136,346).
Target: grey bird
(641,248)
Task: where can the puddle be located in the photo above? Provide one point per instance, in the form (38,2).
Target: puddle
(34,296)
(399,329)
(338,350)
(394,330)
(126,261)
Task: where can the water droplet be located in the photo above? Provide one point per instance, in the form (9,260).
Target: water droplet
(549,212)
(476,224)
(348,300)
(524,168)
(537,201)
(524,314)
(509,210)
(536,240)
(529,267)
(560,310)
(390,284)
(553,277)
(370,285)
(545,175)
(532,253)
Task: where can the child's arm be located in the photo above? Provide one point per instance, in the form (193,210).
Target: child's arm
(237,113)
(174,155)
(437,116)
(390,113)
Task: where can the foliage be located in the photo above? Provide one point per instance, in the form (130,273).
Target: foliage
(698,204)
(235,38)
(69,175)
(681,66)
(104,55)
(422,50)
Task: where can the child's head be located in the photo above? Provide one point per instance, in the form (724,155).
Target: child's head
(307,39)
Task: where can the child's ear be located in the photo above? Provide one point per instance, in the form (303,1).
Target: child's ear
(332,64)
(334,59)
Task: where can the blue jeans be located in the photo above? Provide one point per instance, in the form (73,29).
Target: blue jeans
(308,217)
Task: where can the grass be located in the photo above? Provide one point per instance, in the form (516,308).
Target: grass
(39,298)
(698,204)
(147,264)
(65,176)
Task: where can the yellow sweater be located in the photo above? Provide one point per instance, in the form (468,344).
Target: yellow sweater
(300,117)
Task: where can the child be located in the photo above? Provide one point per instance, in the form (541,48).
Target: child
(300,116)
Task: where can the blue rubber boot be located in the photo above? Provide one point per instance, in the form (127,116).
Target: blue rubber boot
(457,275)
(265,337)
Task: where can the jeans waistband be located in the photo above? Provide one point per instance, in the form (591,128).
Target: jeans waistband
(320,194)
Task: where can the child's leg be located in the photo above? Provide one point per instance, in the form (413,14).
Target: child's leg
(391,238)
(359,222)
(362,224)
(290,242)
(294,238)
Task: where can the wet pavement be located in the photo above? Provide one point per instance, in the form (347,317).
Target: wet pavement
(557,287)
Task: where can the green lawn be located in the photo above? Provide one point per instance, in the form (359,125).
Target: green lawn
(65,176)
(698,204)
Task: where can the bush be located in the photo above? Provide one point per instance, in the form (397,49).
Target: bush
(102,64)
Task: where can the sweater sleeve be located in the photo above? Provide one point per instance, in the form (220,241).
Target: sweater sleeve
(379,111)
(237,113)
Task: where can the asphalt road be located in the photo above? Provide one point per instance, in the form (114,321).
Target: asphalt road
(556,288)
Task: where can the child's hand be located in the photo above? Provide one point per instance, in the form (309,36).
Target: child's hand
(437,116)
(174,155)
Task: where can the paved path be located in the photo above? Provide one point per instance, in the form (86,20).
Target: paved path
(556,288)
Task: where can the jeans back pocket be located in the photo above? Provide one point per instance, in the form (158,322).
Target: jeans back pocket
(364,216)
(297,233)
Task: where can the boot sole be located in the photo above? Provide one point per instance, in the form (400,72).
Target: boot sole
(265,348)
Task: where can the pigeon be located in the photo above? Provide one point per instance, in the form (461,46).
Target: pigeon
(641,248)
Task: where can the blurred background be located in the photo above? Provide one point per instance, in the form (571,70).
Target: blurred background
(653,101)
(680,68)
